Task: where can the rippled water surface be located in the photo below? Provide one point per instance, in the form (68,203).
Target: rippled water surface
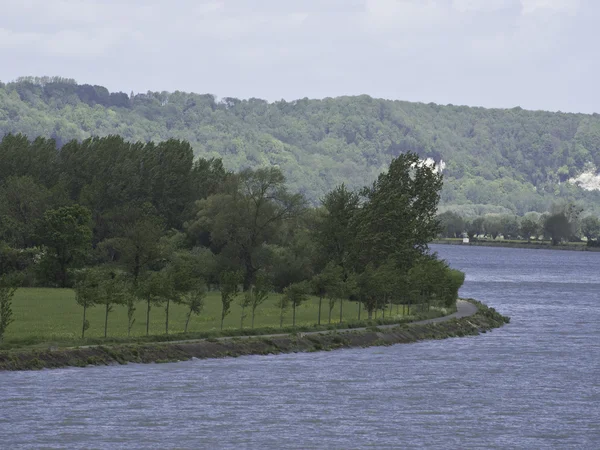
(532,384)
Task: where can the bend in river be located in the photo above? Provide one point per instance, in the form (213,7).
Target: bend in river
(534,383)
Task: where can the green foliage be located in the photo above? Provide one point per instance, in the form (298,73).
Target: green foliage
(66,233)
(515,159)
(398,216)
(590,227)
(451,224)
(247,214)
(557,227)
(530,226)
(295,294)
(8,287)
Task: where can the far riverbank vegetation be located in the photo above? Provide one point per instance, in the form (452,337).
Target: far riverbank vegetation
(108,239)
(566,224)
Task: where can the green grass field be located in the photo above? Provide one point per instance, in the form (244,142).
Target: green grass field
(44,315)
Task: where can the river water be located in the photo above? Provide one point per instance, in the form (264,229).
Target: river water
(534,383)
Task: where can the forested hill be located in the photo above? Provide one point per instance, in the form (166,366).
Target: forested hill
(494,159)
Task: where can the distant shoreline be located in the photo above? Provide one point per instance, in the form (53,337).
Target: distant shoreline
(479,320)
(508,244)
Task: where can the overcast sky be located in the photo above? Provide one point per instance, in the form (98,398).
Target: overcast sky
(537,54)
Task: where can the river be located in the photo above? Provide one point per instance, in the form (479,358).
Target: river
(534,383)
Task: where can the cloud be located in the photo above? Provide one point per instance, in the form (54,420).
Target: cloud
(490,52)
(536,6)
(481,5)
(404,15)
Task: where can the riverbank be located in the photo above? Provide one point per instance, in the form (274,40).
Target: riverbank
(481,320)
(546,245)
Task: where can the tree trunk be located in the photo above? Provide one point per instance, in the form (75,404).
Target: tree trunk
(341,310)
(250,272)
(242,318)
(63,274)
(253,311)
(106,320)
(83,326)
(320,301)
(148,317)
(187,320)
(329,321)
(281,315)
(359,308)
(390,306)
(370,315)
(167,316)
(294,315)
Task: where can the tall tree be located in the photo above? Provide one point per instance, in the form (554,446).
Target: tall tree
(22,204)
(557,227)
(335,230)
(398,218)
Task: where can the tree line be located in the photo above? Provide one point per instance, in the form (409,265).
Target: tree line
(565,222)
(147,224)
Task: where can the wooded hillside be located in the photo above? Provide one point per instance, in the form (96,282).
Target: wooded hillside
(496,160)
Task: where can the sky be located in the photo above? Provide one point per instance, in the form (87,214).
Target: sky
(536,54)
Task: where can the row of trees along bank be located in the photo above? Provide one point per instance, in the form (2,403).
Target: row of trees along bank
(130,223)
(564,222)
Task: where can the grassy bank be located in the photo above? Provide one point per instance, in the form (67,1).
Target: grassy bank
(517,243)
(51,318)
(484,320)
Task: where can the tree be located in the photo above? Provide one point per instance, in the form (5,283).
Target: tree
(572,212)
(283,303)
(113,290)
(8,287)
(474,227)
(194,300)
(557,227)
(229,285)
(368,289)
(530,226)
(138,242)
(590,227)
(492,224)
(67,234)
(325,284)
(259,292)
(87,293)
(335,232)
(22,204)
(510,226)
(153,289)
(246,215)
(296,294)
(398,218)
(452,224)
